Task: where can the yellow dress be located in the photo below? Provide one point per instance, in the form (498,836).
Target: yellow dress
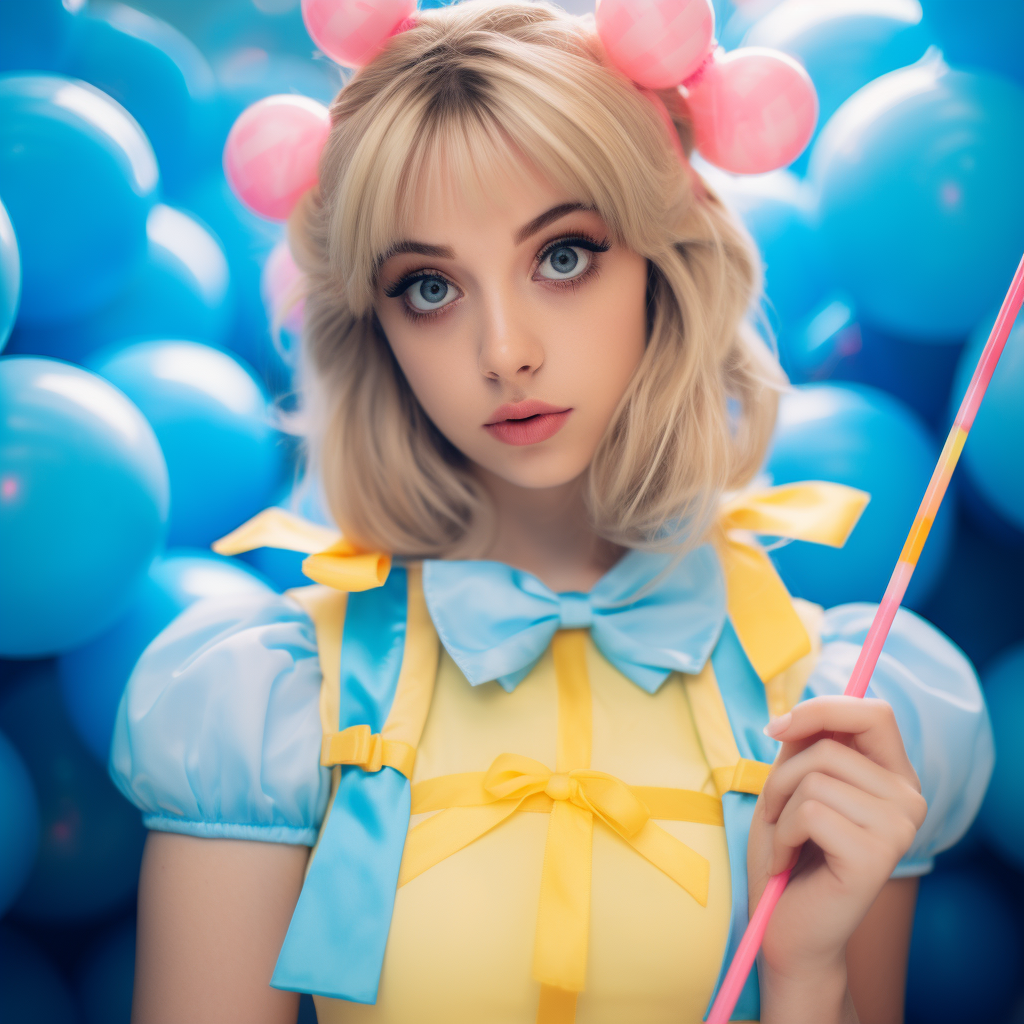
(462,932)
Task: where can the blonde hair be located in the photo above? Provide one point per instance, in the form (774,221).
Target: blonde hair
(469,90)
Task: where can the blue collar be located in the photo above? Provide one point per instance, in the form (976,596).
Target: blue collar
(648,616)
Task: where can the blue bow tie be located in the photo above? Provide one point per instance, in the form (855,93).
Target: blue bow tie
(496,621)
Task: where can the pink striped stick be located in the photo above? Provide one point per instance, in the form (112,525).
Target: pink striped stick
(746,952)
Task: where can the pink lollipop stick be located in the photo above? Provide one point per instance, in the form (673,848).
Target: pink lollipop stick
(746,951)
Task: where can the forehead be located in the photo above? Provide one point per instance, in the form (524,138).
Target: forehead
(448,201)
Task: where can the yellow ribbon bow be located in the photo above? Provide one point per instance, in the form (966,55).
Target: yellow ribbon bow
(332,560)
(515,777)
(472,804)
(761,610)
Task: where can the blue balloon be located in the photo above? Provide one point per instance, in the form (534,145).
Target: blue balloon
(78,179)
(818,345)
(91,837)
(19,824)
(35,35)
(213,421)
(919,373)
(83,505)
(732,30)
(274,26)
(159,76)
(247,241)
(10,276)
(31,990)
(105,979)
(1002,814)
(778,211)
(247,72)
(965,951)
(922,213)
(842,46)
(975,35)
(855,435)
(93,677)
(976,601)
(994,452)
(181,290)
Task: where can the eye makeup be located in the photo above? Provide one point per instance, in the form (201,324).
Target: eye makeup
(579,240)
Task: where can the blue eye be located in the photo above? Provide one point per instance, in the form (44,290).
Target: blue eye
(430,293)
(565,262)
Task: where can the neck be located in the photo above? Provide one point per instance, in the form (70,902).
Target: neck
(547,532)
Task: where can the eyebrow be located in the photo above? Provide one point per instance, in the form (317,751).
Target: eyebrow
(445,252)
(548,217)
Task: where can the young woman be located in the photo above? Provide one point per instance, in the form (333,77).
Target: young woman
(532,752)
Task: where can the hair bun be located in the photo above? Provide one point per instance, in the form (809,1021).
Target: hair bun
(753,110)
(351,32)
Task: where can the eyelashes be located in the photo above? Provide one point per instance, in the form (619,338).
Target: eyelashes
(575,240)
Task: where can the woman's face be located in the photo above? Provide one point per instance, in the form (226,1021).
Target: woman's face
(518,324)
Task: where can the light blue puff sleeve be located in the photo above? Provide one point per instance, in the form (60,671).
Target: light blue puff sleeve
(218,731)
(935,695)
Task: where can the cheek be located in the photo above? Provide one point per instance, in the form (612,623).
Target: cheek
(439,370)
(612,336)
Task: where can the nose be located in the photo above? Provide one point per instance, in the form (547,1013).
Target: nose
(509,343)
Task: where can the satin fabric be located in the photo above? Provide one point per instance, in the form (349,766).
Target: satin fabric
(337,935)
(649,615)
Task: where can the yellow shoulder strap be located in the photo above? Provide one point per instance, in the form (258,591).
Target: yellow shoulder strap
(395,745)
(326,607)
(786,688)
(728,770)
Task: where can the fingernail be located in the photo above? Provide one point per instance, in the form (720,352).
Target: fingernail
(777,726)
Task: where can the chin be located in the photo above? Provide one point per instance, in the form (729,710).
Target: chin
(537,470)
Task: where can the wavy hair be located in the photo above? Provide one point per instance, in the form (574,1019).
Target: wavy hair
(467,92)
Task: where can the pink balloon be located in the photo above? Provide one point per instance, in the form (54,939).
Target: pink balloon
(280,280)
(656,43)
(351,32)
(753,110)
(272,154)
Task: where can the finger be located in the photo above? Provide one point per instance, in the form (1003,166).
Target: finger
(829,757)
(845,844)
(888,821)
(871,723)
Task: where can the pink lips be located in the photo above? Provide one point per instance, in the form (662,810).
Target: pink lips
(527,422)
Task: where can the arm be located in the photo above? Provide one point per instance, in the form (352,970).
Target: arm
(876,955)
(212,917)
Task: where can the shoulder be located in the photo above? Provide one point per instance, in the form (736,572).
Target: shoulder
(218,731)
(938,703)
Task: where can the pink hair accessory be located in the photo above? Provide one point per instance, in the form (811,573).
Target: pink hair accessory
(656,43)
(272,153)
(753,110)
(351,32)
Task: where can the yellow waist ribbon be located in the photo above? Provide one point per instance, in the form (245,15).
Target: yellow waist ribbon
(761,610)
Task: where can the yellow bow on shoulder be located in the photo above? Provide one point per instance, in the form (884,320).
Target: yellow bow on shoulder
(761,610)
(332,560)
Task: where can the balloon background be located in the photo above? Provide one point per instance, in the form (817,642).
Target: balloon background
(141,376)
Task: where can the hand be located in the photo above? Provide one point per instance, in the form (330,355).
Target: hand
(843,785)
